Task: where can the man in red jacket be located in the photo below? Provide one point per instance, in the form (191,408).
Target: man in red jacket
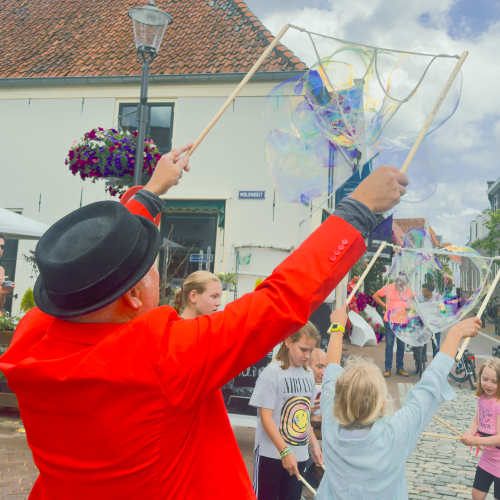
(120,398)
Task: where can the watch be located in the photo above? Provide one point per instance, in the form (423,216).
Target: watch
(336,327)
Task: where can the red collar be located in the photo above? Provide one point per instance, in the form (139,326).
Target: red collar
(81,333)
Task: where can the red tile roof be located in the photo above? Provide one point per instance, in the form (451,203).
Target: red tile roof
(407,224)
(54,38)
(398,233)
(456,258)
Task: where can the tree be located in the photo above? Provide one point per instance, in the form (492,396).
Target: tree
(491,243)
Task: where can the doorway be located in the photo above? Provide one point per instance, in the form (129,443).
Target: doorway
(188,234)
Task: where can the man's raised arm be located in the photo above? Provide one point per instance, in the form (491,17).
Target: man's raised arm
(214,349)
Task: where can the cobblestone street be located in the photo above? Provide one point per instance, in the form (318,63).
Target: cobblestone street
(442,468)
(438,468)
(18,472)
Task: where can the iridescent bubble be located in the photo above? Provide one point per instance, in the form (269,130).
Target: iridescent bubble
(355,104)
(430,296)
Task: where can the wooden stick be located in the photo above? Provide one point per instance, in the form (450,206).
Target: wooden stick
(449,426)
(367,270)
(243,82)
(433,114)
(454,430)
(440,436)
(479,314)
(308,486)
(363,276)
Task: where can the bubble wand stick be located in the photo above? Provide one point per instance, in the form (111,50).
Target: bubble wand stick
(363,276)
(433,114)
(237,90)
(308,486)
(479,314)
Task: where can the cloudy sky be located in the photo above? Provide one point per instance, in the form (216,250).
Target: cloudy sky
(466,149)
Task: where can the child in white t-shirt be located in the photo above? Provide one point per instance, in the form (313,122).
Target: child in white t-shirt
(283,395)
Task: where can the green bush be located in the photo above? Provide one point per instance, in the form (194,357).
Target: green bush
(27,302)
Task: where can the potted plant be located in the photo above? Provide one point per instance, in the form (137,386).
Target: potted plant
(228,280)
(8,324)
(110,154)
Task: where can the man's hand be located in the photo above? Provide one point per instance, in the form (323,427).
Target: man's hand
(291,465)
(382,189)
(169,170)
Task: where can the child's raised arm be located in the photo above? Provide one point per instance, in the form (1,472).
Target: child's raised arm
(422,401)
(334,352)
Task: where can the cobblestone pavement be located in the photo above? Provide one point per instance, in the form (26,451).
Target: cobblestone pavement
(18,472)
(442,468)
(437,468)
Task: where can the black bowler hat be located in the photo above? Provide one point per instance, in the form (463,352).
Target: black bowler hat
(91,257)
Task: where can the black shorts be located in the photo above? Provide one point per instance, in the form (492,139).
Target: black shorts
(271,480)
(483,480)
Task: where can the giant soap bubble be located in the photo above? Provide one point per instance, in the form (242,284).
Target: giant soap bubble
(356,103)
(430,296)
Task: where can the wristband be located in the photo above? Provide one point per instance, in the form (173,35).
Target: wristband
(336,327)
(285,451)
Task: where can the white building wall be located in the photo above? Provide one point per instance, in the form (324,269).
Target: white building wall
(36,137)
(38,132)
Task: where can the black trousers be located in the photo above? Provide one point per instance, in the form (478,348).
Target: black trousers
(273,482)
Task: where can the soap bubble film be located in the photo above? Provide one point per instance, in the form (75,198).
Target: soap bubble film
(432,295)
(355,103)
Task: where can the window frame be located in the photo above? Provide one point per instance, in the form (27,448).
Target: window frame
(122,104)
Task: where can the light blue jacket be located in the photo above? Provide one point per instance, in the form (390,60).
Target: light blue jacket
(373,468)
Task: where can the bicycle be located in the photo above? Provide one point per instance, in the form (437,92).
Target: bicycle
(420,357)
(491,311)
(465,369)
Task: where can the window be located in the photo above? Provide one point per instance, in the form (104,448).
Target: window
(495,202)
(188,234)
(8,262)
(160,124)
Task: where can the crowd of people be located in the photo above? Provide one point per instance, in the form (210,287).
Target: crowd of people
(121,398)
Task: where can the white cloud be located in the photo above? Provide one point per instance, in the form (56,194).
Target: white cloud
(496,130)
(467,147)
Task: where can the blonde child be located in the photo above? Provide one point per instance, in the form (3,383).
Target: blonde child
(283,396)
(200,294)
(484,430)
(365,450)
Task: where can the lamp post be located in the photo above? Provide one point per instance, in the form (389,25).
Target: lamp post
(150,24)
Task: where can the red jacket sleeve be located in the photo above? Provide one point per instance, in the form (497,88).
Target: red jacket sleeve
(138,209)
(193,358)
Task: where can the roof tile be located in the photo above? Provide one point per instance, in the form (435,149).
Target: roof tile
(96,38)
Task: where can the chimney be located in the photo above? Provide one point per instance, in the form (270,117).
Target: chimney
(490,183)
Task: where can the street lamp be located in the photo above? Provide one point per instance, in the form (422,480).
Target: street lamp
(150,24)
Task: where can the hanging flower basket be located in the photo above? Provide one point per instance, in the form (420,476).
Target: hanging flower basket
(109,154)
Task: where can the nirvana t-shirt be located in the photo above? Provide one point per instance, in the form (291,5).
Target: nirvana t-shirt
(488,411)
(289,394)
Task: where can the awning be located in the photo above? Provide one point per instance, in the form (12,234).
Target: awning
(198,206)
(19,227)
